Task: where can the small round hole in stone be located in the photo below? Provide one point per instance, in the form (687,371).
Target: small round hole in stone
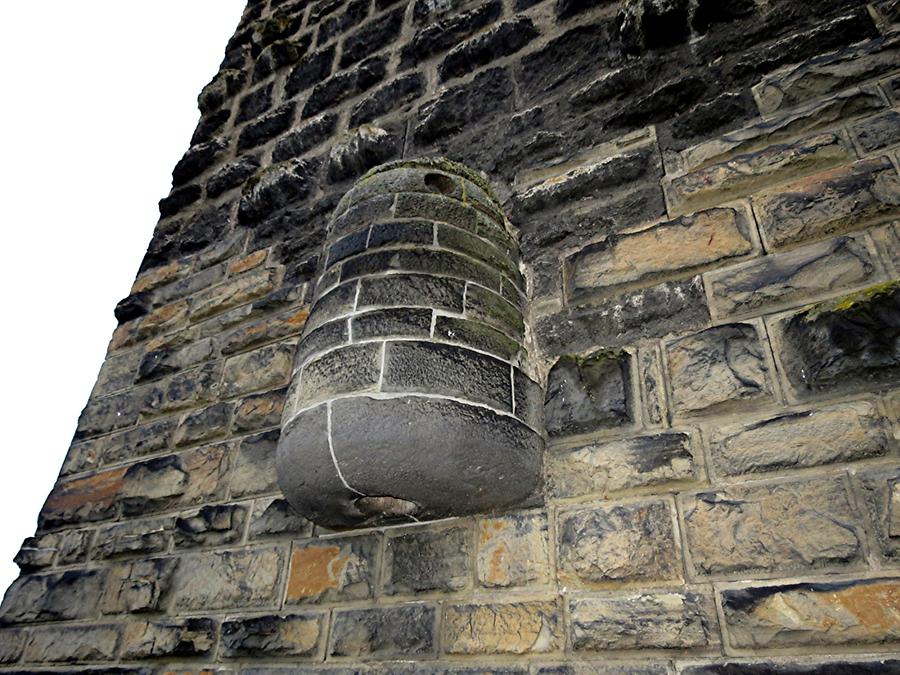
(440,183)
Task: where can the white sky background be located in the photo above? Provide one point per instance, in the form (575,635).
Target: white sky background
(98,104)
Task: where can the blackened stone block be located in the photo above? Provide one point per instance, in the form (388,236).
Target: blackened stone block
(344,85)
(267,127)
(390,97)
(504,39)
(490,93)
(273,635)
(477,335)
(211,526)
(231,175)
(354,12)
(279,55)
(361,150)
(443,34)
(413,290)
(371,37)
(567,60)
(196,160)
(276,187)
(309,71)
(653,24)
(275,517)
(406,630)
(295,143)
(449,370)
(587,394)
(425,561)
(392,323)
(255,103)
(179,199)
(849,666)
(851,342)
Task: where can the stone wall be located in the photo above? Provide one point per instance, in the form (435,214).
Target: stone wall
(707,202)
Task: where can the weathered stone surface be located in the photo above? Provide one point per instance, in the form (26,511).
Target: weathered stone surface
(513,551)
(53,597)
(501,40)
(502,628)
(332,570)
(887,239)
(590,393)
(351,369)
(274,635)
(242,579)
(743,174)
(716,367)
(174,480)
(11,644)
(880,489)
(107,414)
(297,142)
(133,537)
(276,517)
(673,247)
(674,306)
(846,343)
(444,369)
(782,527)
(442,34)
(394,95)
(266,128)
(64,644)
(36,553)
(139,586)
(310,70)
(404,630)
(812,437)
(856,666)
(191,637)
(622,543)
(345,85)
(259,411)
(254,465)
(370,37)
(488,94)
(784,128)
(601,668)
(604,468)
(811,614)
(654,620)
(203,425)
(800,275)
(264,368)
(832,202)
(275,327)
(183,390)
(878,131)
(94,497)
(366,147)
(426,561)
(411,291)
(210,526)
(826,73)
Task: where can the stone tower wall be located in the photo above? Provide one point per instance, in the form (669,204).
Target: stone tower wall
(706,198)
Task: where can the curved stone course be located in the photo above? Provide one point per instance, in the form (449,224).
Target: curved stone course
(411,397)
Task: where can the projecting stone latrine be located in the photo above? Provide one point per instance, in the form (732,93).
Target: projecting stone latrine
(502,336)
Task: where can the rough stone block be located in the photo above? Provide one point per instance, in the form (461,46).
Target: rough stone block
(441,33)
(812,614)
(415,290)
(673,247)
(681,619)
(846,343)
(259,411)
(445,369)
(370,37)
(832,202)
(275,517)
(247,578)
(175,480)
(380,632)
(783,527)
(743,174)
(718,367)
(804,666)
(793,277)
(426,561)
(502,628)
(622,543)
(269,328)
(333,570)
(392,96)
(254,465)
(264,368)
(672,306)
(643,461)
(186,389)
(133,537)
(588,394)
(65,644)
(844,432)
(234,292)
(345,85)
(880,490)
(274,635)
(210,526)
(501,40)
(204,425)
(53,597)
(91,498)
(139,586)
(351,369)
(513,551)
(191,637)
(402,322)
(107,414)
(490,308)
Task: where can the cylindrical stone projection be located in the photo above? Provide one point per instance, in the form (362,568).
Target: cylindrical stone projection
(410,397)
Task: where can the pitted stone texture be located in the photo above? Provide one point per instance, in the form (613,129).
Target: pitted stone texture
(427,561)
(718,367)
(412,397)
(790,526)
(608,546)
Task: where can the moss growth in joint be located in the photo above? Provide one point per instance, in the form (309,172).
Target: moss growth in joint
(851,300)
